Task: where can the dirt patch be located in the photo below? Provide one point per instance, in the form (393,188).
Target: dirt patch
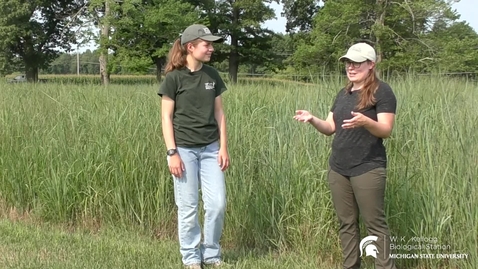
(13,213)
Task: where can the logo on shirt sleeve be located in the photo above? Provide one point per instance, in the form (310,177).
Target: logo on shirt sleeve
(209,85)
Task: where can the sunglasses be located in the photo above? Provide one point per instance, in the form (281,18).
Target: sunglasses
(354,64)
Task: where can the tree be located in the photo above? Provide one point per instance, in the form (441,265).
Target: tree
(104,44)
(300,14)
(239,21)
(283,46)
(143,31)
(61,65)
(455,46)
(32,32)
(101,15)
(401,32)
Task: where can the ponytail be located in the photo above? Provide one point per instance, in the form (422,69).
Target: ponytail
(177,55)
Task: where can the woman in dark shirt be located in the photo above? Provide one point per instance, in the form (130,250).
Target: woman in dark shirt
(362,115)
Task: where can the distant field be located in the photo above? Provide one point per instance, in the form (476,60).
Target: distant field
(151,79)
(93,158)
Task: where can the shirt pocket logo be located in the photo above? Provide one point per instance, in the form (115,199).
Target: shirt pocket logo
(209,85)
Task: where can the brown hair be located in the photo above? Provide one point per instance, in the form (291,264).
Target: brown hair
(370,86)
(177,55)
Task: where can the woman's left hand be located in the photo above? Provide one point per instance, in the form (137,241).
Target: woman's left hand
(223,159)
(358,120)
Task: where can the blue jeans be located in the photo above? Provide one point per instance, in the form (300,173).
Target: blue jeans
(202,171)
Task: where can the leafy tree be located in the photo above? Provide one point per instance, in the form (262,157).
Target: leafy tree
(239,21)
(283,46)
(61,65)
(403,32)
(455,47)
(31,32)
(143,31)
(300,14)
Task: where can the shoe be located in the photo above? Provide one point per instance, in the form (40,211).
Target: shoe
(194,266)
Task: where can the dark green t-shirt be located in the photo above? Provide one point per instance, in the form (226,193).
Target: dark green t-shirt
(194,94)
(356,151)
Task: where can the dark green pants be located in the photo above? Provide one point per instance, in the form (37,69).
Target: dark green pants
(364,194)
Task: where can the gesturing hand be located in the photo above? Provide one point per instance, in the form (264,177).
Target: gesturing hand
(303,115)
(358,120)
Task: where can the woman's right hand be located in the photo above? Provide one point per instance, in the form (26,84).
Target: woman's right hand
(303,115)
(176,166)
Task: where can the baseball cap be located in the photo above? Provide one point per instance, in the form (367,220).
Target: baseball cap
(360,52)
(196,31)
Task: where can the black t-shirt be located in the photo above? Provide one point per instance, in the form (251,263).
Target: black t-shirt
(194,94)
(356,151)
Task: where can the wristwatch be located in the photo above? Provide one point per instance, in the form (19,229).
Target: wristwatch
(171,152)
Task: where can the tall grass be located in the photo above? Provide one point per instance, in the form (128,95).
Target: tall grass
(89,154)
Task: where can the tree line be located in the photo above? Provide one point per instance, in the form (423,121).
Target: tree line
(87,63)
(135,35)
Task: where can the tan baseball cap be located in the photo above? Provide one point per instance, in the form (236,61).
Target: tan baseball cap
(360,52)
(196,31)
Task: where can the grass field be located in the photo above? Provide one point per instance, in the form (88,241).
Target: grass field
(30,246)
(83,174)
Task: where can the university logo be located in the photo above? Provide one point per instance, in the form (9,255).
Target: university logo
(369,246)
(209,85)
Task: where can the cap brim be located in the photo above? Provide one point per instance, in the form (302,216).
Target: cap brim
(212,38)
(353,58)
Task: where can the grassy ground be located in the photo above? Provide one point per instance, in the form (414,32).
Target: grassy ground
(27,245)
(33,245)
(94,158)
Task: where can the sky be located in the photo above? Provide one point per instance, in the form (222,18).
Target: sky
(465,8)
